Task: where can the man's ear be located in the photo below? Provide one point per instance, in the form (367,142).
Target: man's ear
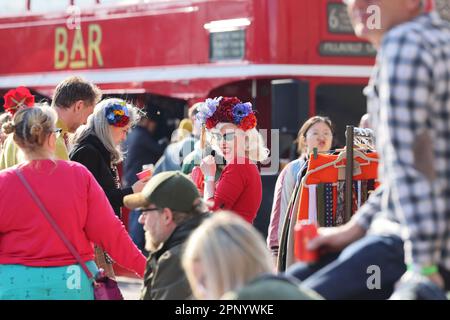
(78,106)
(168,216)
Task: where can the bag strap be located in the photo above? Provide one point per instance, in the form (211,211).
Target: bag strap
(54,225)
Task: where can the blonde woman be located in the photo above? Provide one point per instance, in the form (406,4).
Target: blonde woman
(34,262)
(226,258)
(232,126)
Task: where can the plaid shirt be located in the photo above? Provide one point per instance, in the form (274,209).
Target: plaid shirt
(409,102)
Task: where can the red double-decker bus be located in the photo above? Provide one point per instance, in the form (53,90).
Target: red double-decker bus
(190,49)
(290,58)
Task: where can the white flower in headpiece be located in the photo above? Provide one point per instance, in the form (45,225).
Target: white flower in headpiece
(207,109)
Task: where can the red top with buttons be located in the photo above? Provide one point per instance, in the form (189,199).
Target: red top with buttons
(239,189)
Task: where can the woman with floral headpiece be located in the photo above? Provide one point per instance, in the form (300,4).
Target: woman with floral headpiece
(232,126)
(15,100)
(97,147)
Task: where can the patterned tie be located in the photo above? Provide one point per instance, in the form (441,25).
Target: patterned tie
(340,209)
(328,205)
(321,205)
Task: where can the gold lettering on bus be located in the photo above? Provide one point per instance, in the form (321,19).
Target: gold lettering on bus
(77,47)
(78,58)
(95,39)
(60,48)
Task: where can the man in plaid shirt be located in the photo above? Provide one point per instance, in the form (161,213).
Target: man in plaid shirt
(406,222)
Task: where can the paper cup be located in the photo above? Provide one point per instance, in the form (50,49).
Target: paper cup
(144,174)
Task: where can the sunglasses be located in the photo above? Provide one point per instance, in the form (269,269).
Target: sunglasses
(229,136)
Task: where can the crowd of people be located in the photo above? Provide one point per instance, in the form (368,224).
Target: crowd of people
(190,227)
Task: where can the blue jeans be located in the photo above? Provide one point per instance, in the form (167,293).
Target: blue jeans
(136,231)
(346,275)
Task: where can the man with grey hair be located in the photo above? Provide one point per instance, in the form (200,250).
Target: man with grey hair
(405,224)
(170,208)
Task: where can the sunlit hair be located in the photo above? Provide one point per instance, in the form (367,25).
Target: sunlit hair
(97,123)
(30,128)
(231,253)
(255,146)
(72,89)
(301,136)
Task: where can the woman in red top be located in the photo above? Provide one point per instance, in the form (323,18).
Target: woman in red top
(34,262)
(232,126)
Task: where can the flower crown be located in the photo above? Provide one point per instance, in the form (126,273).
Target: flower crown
(226,109)
(18,98)
(117,114)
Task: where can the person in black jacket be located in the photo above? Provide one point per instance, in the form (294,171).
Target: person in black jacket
(143,148)
(97,147)
(142,144)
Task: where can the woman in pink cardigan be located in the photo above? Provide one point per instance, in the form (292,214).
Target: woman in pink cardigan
(34,262)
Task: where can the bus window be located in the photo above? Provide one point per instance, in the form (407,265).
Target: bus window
(8,7)
(343,104)
(43,6)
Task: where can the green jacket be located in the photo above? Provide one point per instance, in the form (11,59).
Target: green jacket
(164,277)
(273,287)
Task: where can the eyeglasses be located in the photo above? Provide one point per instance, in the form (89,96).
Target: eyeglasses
(229,136)
(57,132)
(145,211)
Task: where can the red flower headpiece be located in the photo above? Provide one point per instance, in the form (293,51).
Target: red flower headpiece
(18,98)
(227,109)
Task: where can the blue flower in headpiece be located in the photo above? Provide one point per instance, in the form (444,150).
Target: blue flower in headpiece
(110,116)
(240,111)
(117,114)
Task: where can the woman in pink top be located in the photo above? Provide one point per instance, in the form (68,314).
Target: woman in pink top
(34,262)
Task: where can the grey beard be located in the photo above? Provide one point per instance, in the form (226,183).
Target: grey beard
(150,244)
